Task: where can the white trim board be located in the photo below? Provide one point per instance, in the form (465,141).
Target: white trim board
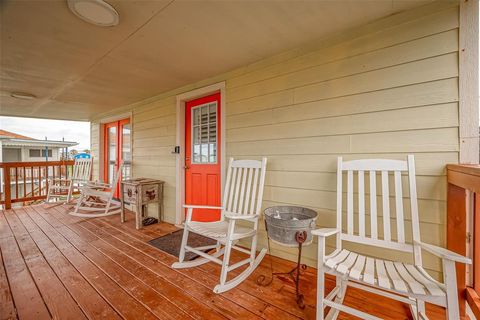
(180,141)
(468,82)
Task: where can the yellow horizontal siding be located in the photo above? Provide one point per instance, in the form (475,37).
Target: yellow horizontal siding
(425,163)
(427,186)
(384,90)
(279,107)
(395,120)
(374,38)
(399,59)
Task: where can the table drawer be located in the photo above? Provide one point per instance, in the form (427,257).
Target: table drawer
(150,193)
(130,194)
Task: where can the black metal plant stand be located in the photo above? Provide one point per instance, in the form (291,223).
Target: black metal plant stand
(300,237)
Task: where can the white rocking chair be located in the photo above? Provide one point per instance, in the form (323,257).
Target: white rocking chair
(59,188)
(242,201)
(408,283)
(96,198)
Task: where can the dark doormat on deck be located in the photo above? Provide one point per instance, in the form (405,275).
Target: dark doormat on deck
(171,243)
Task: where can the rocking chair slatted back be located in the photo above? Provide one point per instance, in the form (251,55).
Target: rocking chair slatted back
(356,229)
(116,176)
(82,169)
(244,186)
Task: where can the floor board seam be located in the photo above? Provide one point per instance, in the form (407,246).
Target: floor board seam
(26,265)
(80,252)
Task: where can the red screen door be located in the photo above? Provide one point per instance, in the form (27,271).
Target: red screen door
(117,148)
(202,155)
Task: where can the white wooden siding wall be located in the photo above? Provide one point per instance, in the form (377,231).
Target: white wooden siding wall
(386,90)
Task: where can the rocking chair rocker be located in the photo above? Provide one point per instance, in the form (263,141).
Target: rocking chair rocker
(241,202)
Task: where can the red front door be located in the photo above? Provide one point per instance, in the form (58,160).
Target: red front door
(117,148)
(202,155)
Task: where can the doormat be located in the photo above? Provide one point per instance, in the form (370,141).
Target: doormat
(171,243)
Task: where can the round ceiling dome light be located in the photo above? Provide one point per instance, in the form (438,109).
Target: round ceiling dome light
(96,12)
(22,95)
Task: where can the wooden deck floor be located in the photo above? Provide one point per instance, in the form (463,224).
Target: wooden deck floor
(53,265)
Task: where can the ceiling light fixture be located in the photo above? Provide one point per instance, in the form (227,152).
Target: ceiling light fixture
(22,95)
(97,12)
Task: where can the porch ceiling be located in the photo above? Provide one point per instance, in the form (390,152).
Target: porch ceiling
(78,70)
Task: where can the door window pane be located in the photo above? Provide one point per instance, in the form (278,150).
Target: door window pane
(112,151)
(204,133)
(126,151)
(196,116)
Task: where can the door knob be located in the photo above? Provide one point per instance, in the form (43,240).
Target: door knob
(186,167)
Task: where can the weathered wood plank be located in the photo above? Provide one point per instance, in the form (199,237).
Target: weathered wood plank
(120,300)
(89,300)
(251,303)
(116,243)
(145,295)
(199,278)
(175,294)
(143,252)
(28,300)
(58,300)
(7,308)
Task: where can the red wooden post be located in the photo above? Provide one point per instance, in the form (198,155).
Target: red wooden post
(460,179)
(476,244)
(16,182)
(473,294)
(8,191)
(456,234)
(33,182)
(46,179)
(24,182)
(39,181)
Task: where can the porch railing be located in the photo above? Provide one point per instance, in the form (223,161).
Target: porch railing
(28,181)
(463,228)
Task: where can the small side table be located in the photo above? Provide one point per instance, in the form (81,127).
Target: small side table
(139,193)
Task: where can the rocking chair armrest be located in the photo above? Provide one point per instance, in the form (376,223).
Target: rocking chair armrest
(444,253)
(190,206)
(233,216)
(325,232)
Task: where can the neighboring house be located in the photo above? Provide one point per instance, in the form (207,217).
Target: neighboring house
(18,148)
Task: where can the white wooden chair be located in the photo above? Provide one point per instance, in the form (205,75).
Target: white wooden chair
(242,201)
(96,198)
(402,281)
(59,188)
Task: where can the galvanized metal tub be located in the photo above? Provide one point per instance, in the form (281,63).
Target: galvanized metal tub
(283,222)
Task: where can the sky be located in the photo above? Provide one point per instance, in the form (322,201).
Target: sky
(77,131)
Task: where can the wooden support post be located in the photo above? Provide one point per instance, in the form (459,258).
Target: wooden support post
(476,245)
(8,191)
(456,235)
(473,294)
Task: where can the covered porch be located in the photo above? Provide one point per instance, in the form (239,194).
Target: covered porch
(54,265)
(299,83)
